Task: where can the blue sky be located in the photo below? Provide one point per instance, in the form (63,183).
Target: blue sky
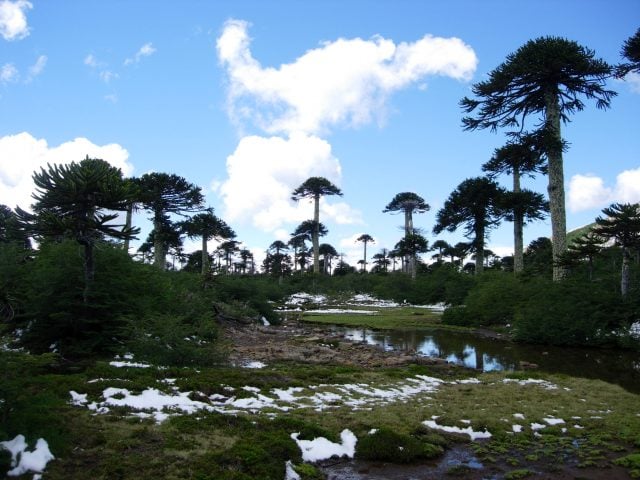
(247,99)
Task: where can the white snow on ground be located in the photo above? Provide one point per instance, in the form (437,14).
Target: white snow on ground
(255,364)
(473,435)
(537,426)
(78,399)
(343,311)
(519,416)
(634,330)
(532,381)
(302,297)
(553,421)
(322,449)
(120,364)
(290,473)
(516,428)
(24,461)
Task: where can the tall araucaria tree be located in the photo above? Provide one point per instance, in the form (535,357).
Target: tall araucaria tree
(163,194)
(410,246)
(77,201)
(206,226)
(328,253)
(365,238)
(521,156)
(476,204)
(314,188)
(622,224)
(408,203)
(546,76)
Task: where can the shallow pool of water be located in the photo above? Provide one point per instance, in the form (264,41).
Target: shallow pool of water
(485,354)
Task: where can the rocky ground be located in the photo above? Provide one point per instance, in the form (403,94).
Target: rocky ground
(295,341)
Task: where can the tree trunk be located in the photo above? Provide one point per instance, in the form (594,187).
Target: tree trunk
(410,260)
(205,256)
(316,234)
(625,278)
(89,271)
(365,257)
(159,255)
(518,221)
(556,187)
(127,225)
(479,243)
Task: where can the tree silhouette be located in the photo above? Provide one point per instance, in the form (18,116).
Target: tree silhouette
(163,194)
(207,227)
(546,76)
(475,203)
(328,253)
(365,238)
(622,224)
(408,203)
(71,201)
(630,51)
(314,188)
(520,156)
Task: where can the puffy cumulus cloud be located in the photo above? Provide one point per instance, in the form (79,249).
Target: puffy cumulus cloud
(589,191)
(22,154)
(344,82)
(264,171)
(13,19)
(145,51)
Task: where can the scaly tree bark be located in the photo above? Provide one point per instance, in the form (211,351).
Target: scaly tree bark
(545,76)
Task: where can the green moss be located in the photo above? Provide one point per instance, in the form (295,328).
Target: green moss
(632,462)
(517,474)
(389,446)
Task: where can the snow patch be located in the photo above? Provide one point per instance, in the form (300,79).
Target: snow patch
(322,449)
(290,473)
(473,435)
(24,461)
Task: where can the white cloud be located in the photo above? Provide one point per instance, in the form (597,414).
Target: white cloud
(589,191)
(22,154)
(633,79)
(37,68)
(263,172)
(107,75)
(13,19)
(92,61)
(9,73)
(146,50)
(342,83)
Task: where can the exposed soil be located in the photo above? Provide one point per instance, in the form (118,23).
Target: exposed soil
(299,342)
(295,341)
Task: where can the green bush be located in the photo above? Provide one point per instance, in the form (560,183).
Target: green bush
(493,300)
(386,445)
(572,313)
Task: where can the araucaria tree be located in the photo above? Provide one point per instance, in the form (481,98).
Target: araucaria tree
(365,238)
(163,194)
(520,156)
(314,188)
(78,201)
(408,203)
(476,204)
(546,76)
(622,224)
(207,227)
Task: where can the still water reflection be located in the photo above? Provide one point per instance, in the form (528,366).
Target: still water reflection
(614,366)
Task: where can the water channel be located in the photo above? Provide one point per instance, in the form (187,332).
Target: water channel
(487,354)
